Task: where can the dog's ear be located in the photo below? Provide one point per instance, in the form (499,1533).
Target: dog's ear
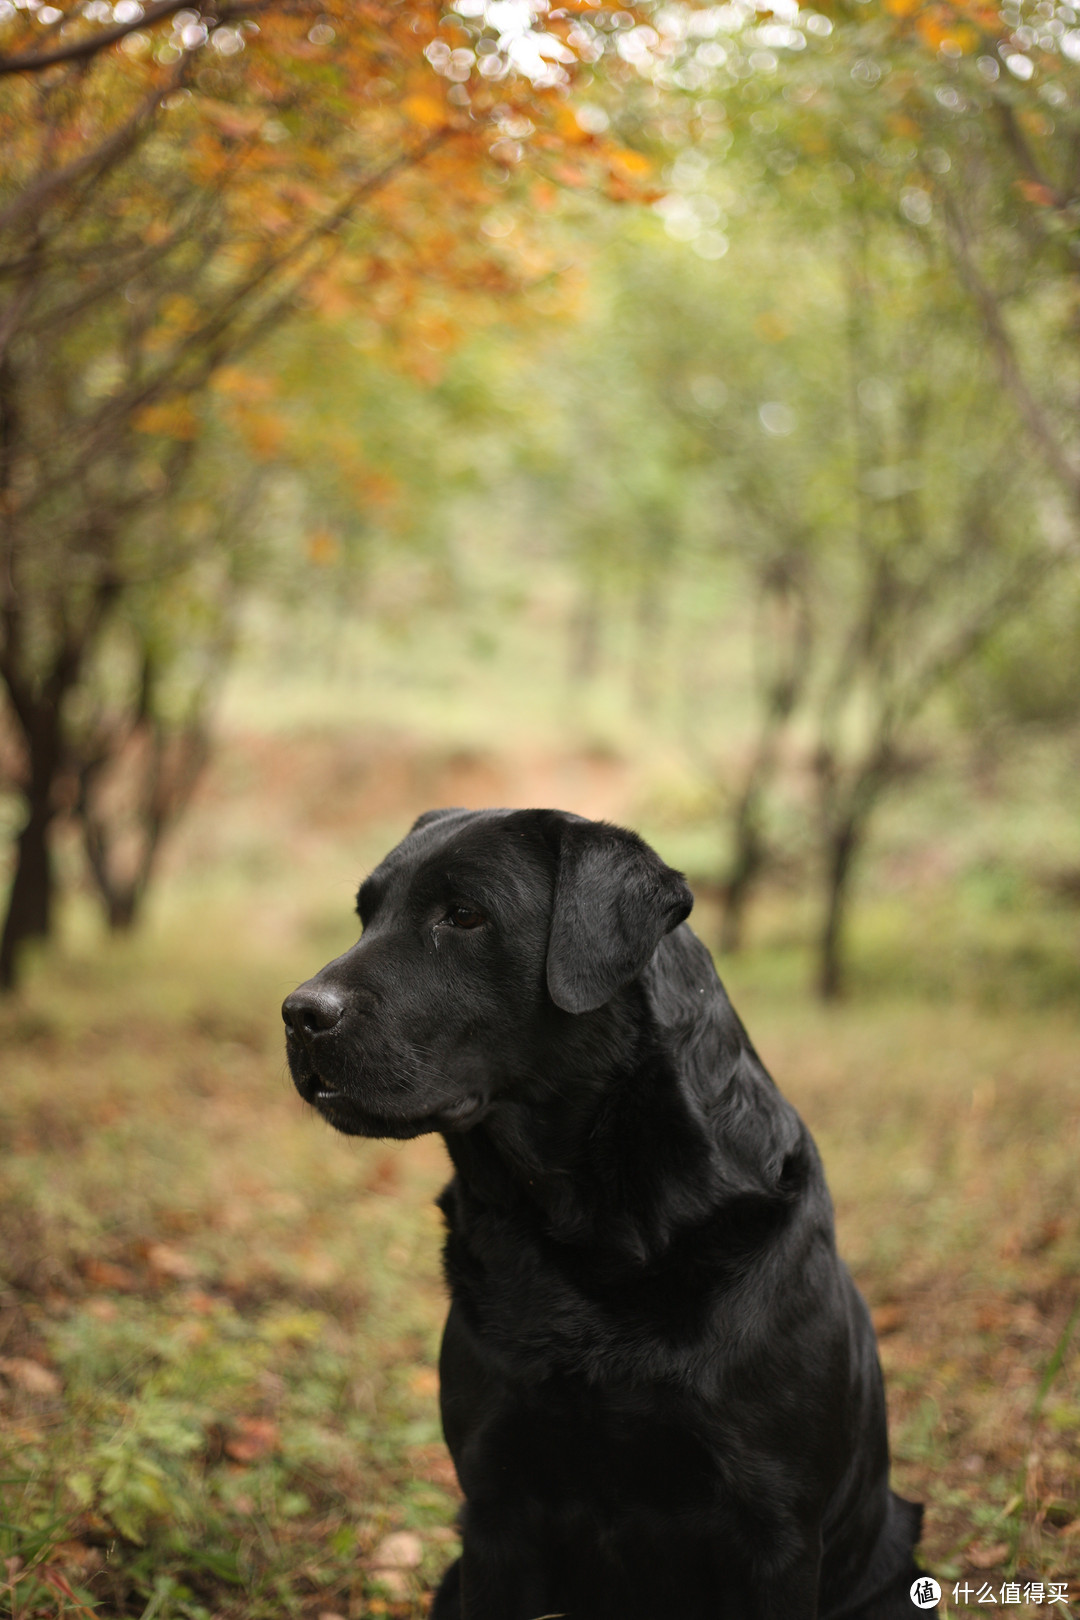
(432,815)
(614,902)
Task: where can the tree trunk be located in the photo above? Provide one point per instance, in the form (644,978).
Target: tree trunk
(746,866)
(752,852)
(650,616)
(841,851)
(30,900)
(121,911)
(169,770)
(585,634)
(30,903)
(733,916)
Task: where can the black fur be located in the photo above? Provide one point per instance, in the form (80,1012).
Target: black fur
(660,1386)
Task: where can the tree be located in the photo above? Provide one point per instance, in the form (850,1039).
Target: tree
(960,119)
(840,476)
(987,104)
(172,193)
(891,520)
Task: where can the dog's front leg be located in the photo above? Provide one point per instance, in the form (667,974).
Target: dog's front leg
(791,1592)
(501,1573)
(447,1604)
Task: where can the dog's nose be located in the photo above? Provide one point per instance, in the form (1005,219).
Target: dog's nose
(314,1009)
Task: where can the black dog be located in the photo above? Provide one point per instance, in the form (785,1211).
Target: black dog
(659,1384)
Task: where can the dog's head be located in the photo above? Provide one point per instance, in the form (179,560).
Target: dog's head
(484,931)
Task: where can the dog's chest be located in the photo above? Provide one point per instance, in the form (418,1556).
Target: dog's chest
(541,1308)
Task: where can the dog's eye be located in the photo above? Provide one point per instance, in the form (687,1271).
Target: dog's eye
(464,917)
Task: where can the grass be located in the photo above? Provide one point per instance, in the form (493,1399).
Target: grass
(219,1322)
(949,1134)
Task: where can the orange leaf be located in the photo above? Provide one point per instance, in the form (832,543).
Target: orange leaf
(171,418)
(30,1375)
(235,121)
(265,434)
(424,110)
(567,125)
(165,1261)
(235,380)
(771,326)
(987,1557)
(424,1381)
(323,548)
(887,1319)
(965,37)
(106,1274)
(626,161)
(1036,193)
(253,1438)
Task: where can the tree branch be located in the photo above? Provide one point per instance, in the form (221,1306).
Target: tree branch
(1033,414)
(206,348)
(1014,139)
(111,150)
(82,49)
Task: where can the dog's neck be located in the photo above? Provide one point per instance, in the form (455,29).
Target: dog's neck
(667,1069)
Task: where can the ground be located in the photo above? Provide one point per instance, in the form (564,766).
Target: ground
(219,1322)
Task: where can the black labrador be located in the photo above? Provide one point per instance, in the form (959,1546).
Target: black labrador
(660,1387)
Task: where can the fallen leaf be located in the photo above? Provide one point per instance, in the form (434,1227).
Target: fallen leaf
(316,1269)
(1045,1235)
(166,1261)
(424,1381)
(105,1310)
(987,1557)
(76,1555)
(887,1319)
(394,1582)
(251,1439)
(106,1274)
(30,1376)
(1025,1319)
(402,1550)
(202,1304)
(272,1386)
(434,1464)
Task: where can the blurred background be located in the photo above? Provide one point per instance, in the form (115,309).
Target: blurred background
(667,414)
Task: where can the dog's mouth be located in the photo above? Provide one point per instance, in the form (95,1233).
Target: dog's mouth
(463,1112)
(347,1115)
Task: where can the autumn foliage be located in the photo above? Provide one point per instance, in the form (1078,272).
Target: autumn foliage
(175,187)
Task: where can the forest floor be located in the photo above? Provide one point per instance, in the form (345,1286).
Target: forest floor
(219,1322)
